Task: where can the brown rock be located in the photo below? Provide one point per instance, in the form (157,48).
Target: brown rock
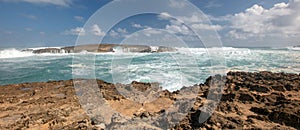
(261,100)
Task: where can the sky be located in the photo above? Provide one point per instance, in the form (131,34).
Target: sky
(242,23)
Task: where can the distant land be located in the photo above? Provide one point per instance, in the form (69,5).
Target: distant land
(100,48)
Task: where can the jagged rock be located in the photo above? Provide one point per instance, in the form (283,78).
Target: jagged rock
(260,100)
(265,101)
(49,50)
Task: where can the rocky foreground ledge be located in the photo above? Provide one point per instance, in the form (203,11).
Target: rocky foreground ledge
(100,48)
(262,100)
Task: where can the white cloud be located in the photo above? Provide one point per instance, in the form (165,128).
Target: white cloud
(181,29)
(28,29)
(207,27)
(119,32)
(122,31)
(113,33)
(52,2)
(96,30)
(179,25)
(79,18)
(150,31)
(75,31)
(192,19)
(137,26)
(93,30)
(281,20)
(175,26)
(164,16)
(239,35)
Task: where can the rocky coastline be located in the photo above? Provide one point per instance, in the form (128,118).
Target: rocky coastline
(259,100)
(101,48)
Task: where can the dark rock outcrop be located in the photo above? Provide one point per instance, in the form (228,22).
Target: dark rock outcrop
(252,101)
(49,50)
(261,100)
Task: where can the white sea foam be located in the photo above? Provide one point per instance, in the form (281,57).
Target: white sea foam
(294,48)
(154,48)
(14,53)
(38,48)
(225,50)
(77,66)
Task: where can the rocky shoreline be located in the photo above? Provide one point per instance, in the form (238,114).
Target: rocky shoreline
(100,48)
(260,100)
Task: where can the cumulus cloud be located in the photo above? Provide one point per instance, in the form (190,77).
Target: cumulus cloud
(137,26)
(281,20)
(51,2)
(175,28)
(119,32)
(75,31)
(179,25)
(92,30)
(113,33)
(150,31)
(122,31)
(96,30)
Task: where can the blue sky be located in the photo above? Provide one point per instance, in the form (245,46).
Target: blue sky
(32,23)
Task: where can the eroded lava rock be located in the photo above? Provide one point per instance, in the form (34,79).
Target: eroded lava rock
(261,100)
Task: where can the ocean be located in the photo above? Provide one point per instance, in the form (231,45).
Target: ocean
(193,67)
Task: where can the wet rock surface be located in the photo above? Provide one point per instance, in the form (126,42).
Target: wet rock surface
(261,100)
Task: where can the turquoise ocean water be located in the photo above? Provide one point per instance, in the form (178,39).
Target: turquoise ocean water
(165,68)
